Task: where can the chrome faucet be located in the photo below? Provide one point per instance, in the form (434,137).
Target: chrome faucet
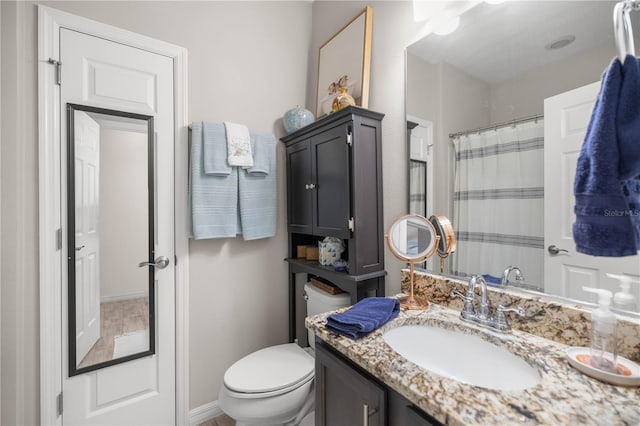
(482,316)
(483,312)
(505,275)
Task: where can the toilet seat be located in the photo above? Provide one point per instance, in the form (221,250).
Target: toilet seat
(269,372)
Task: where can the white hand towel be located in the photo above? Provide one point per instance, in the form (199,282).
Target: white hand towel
(238,145)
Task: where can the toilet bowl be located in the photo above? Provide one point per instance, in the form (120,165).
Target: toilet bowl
(274,386)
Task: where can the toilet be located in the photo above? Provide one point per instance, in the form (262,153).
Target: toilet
(274,386)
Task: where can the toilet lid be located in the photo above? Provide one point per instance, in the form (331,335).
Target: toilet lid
(270,369)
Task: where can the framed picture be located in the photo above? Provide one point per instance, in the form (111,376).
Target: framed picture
(345,61)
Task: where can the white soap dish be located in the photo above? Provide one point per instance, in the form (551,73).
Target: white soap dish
(630,371)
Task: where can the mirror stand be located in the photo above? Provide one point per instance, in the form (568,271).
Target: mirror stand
(413,302)
(442,259)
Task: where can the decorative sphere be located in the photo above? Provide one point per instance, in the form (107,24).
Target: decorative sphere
(297,118)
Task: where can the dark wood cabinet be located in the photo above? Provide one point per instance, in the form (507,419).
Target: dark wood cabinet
(345,392)
(334,189)
(318,184)
(344,396)
(298,195)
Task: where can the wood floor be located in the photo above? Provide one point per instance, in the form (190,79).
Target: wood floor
(117,318)
(222,420)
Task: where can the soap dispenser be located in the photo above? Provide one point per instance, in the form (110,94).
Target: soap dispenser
(623,299)
(603,332)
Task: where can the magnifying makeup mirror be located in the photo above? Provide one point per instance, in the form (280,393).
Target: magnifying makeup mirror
(444,230)
(412,239)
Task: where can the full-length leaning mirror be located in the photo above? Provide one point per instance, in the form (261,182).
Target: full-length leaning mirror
(496,116)
(110,211)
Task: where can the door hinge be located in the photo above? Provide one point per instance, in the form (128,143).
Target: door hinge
(349,138)
(352,224)
(59,404)
(175,260)
(59,239)
(58,66)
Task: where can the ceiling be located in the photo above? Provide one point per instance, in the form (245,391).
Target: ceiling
(498,42)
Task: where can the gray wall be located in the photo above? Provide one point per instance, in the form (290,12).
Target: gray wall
(248,63)
(123,214)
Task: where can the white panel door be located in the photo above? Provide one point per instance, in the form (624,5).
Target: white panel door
(87,232)
(567,116)
(111,75)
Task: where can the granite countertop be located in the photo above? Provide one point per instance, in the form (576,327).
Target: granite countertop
(564,396)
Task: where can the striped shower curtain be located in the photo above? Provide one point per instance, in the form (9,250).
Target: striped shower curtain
(499,200)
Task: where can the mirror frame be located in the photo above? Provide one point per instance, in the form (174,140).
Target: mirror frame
(425,254)
(444,229)
(71,256)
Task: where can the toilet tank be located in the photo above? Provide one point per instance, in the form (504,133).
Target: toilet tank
(319,302)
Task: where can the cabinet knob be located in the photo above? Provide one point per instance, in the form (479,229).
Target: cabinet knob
(309,186)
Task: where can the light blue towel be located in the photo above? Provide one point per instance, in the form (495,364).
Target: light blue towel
(263,149)
(257,189)
(214,199)
(215,149)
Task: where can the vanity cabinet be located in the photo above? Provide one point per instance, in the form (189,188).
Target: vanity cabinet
(345,396)
(345,392)
(334,189)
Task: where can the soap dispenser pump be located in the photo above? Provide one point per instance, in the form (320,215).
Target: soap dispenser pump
(623,299)
(603,332)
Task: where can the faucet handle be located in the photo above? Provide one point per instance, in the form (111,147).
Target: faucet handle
(468,303)
(501,310)
(455,293)
(501,321)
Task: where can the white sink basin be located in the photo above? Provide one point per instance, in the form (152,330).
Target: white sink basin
(462,357)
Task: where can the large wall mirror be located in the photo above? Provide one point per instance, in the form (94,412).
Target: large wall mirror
(110,209)
(492,102)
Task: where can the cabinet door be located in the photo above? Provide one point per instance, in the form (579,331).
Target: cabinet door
(331,177)
(343,395)
(298,192)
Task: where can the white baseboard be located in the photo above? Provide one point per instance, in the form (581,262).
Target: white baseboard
(204,412)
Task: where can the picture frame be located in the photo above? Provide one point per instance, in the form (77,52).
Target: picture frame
(345,60)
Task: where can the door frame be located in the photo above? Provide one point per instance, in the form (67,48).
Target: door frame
(50,221)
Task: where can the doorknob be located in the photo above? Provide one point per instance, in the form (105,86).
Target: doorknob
(553,250)
(80,248)
(161,262)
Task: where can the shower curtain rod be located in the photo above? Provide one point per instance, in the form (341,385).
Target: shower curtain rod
(497,126)
(622,28)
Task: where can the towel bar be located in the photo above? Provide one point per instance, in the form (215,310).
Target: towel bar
(622,28)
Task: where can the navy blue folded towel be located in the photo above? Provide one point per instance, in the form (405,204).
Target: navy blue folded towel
(607,182)
(364,317)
